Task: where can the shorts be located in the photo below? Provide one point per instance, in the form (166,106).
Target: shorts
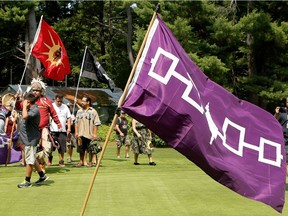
(30,154)
(60,138)
(84,146)
(122,140)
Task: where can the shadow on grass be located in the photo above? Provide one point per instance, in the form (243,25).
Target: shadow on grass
(286,187)
(46,183)
(118,159)
(56,169)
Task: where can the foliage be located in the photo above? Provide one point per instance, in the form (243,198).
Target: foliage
(237,44)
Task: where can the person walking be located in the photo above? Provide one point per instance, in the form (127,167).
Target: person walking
(86,127)
(281,114)
(60,135)
(121,128)
(30,136)
(46,110)
(141,142)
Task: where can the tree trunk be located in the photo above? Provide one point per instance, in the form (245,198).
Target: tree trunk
(34,64)
(129,37)
(252,71)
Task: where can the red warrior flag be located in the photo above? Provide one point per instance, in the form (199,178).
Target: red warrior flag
(50,50)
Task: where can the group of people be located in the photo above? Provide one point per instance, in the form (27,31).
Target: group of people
(141,142)
(47,126)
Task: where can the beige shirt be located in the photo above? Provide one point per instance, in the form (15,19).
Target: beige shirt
(86,120)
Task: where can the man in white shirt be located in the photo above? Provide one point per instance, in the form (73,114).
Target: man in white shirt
(60,135)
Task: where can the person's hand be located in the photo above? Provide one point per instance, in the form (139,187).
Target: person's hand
(139,136)
(25,103)
(94,137)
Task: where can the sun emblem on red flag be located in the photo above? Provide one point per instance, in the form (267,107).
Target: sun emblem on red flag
(55,52)
(50,50)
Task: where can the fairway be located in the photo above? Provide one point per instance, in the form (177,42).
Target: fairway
(174,187)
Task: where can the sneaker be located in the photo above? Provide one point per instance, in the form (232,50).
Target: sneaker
(24,184)
(49,163)
(152,163)
(69,160)
(61,163)
(136,163)
(42,179)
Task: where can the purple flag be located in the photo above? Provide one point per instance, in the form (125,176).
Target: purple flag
(15,155)
(235,142)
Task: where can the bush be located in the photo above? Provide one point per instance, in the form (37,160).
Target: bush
(158,142)
(103,131)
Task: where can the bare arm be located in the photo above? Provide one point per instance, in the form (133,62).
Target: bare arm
(25,109)
(134,128)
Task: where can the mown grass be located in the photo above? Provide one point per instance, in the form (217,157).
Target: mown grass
(174,187)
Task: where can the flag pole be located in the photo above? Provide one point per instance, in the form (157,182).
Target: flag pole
(115,116)
(80,74)
(33,44)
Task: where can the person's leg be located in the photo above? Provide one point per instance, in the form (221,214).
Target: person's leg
(62,149)
(136,159)
(151,160)
(22,163)
(118,151)
(42,176)
(85,157)
(94,159)
(127,149)
(30,159)
(118,145)
(69,153)
(47,148)
(50,159)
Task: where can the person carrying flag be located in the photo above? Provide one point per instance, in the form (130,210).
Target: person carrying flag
(46,110)
(30,135)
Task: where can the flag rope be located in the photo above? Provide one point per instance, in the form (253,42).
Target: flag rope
(115,116)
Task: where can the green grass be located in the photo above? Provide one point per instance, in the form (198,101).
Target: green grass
(174,187)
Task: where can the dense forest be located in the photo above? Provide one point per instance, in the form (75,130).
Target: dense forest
(241,45)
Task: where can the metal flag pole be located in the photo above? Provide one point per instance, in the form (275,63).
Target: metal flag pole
(115,116)
(80,74)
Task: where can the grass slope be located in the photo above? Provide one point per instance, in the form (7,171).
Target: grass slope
(174,187)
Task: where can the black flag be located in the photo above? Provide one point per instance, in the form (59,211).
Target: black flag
(92,69)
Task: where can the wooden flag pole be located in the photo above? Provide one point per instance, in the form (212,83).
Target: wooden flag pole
(115,116)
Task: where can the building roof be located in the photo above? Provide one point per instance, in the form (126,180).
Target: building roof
(99,96)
